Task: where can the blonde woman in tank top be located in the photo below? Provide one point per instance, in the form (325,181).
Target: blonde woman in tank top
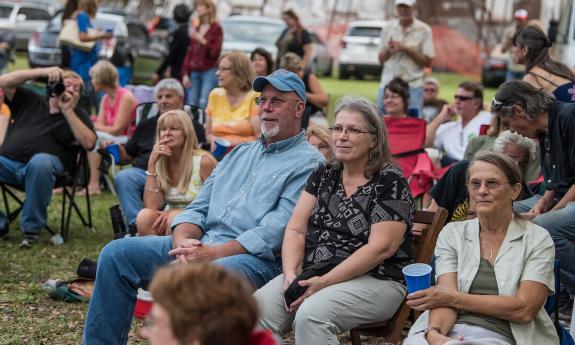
(176,172)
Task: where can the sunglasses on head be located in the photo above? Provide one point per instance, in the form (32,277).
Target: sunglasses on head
(462,98)
(497,105)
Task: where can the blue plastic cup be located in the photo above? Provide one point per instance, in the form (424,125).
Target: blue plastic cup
(417,277)
(222,146)
(114,150)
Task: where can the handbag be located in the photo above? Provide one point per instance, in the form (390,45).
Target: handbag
(70,35)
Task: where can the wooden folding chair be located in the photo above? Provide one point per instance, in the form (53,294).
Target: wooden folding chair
(424,246)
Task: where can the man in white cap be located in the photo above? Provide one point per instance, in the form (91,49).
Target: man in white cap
(406,47)
(515,71)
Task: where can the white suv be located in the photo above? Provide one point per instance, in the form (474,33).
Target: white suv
(360,48)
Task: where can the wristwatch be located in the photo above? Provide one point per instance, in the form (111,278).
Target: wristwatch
(429,329)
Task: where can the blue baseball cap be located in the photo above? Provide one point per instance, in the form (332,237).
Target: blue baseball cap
(282,80)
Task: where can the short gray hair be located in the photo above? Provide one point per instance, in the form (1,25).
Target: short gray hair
(508,137)
(380,155)
(169,84)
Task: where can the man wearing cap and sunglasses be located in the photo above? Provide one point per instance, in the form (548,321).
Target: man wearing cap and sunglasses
(237,221)
(452,137)
(406,47)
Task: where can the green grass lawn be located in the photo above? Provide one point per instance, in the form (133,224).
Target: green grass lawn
(28,316)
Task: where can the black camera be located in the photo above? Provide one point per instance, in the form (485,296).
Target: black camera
(55,88)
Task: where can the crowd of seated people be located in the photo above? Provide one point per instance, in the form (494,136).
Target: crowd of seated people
(319,224)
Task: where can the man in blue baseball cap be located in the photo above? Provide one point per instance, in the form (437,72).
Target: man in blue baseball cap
(282,102)
(237,221)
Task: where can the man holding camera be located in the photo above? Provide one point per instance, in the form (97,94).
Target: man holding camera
(39,140)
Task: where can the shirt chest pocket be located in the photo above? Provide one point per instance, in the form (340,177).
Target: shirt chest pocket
(266,189)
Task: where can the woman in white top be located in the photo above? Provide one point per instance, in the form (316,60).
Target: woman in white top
(176,172)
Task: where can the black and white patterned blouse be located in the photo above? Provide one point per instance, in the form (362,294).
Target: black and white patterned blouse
(338,226)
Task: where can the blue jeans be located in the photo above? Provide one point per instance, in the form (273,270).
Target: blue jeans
(127,264)
(561,227)
(130,187)
(202,84)
(38,177)
(415,103)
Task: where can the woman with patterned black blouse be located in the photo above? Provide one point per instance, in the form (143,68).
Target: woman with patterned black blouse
(348,238)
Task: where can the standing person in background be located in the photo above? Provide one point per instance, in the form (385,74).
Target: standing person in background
(406,47)
(514,70)
(178,46)
(205,46)
(262,62)
(431,104)
(531,48)
(81,61)
(294,39)
(115,115)
(232,112)
(69,12)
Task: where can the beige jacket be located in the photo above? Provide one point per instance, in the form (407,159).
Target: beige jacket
(527,253)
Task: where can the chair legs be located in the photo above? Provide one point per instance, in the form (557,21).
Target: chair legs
(355,337)
(68,204)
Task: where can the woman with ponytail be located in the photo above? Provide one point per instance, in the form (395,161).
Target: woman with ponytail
(531,48)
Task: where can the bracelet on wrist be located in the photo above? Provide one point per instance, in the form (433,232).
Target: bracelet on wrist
(151,174)
(153,190)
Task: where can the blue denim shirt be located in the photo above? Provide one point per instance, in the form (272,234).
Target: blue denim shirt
(250,195)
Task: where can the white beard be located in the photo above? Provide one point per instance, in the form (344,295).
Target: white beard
(270,130)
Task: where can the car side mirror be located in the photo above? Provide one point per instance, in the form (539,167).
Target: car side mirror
(21,17)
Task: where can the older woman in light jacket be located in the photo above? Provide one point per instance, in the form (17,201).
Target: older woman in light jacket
(494,272)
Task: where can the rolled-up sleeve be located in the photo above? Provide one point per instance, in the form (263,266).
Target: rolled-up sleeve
(539,262)
(446,251)
(265,240)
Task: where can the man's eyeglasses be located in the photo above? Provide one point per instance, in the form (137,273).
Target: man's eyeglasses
(275,101)
(490,184)
(462,98)
(351,131)
(429,90)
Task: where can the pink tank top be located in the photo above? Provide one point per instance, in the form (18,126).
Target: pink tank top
(111,110)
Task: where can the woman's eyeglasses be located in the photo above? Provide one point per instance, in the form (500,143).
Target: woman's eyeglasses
(490,184)
(351,131)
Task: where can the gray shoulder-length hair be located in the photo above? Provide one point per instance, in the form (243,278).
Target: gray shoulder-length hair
(516,92)
(380,154)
